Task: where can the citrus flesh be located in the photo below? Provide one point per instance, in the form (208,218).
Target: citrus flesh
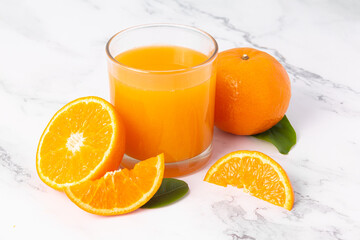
(121,191)
(256,173)
(82,141)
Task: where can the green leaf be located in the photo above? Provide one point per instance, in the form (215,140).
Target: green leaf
(282,135)
(170,190)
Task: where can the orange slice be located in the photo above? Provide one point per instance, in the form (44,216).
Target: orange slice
(82,141)
(121,191)
(257,173)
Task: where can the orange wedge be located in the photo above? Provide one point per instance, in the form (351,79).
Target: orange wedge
(257,173)
(121,191)
(82,141)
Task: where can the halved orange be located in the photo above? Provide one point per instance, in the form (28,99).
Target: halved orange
(121,191)
(257,173)
(82,141)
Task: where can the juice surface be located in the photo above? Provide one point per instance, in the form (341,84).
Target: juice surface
(161,58)
(169,112)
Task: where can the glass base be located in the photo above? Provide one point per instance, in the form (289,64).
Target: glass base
(176,169)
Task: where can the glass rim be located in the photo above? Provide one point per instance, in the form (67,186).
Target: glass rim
(208,60)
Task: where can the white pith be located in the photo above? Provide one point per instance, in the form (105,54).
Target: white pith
(75,142)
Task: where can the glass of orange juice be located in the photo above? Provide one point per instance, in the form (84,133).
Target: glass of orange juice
(162,83)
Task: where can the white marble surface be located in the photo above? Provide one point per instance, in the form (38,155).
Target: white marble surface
(53,51)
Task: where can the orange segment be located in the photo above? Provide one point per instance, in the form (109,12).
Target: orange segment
(121,191)
(257,173)
(82,141)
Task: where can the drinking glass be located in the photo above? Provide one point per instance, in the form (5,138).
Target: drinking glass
(168,108)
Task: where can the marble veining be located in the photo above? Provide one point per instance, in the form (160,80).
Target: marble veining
(19,174)
(242,226)
(53,52)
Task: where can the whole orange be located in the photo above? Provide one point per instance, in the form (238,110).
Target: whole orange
(252,91)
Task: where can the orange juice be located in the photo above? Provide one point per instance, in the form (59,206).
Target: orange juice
(165,101)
